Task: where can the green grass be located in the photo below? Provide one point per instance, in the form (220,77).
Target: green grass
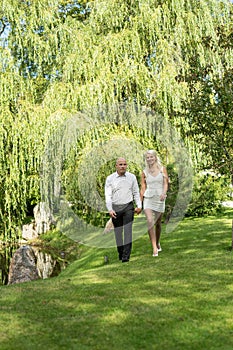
(180,300)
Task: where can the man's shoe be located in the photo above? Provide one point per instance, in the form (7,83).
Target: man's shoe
(125,260)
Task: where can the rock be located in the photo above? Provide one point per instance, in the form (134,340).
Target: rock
(29,231)
(43,221)
(43,218)
(46,265)
(23,266)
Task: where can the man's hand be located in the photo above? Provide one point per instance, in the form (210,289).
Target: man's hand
(112,213)
(137,210)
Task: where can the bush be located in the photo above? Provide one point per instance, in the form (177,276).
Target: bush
(209,191)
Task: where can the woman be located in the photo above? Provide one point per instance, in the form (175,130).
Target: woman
(154,186)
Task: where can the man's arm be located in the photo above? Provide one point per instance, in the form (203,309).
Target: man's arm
(108,194)
(136,196)
(108,197)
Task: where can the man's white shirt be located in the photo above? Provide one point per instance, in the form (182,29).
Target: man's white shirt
(121,189)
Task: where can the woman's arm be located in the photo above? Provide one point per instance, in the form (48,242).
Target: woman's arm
(165,184)
(143,186)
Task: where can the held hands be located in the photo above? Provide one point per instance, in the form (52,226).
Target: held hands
(137,210)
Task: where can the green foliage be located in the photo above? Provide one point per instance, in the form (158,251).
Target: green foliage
(120,50)
(209,191)
(54,242)
(6,253)
(206,119)
(60,57)
(172,192)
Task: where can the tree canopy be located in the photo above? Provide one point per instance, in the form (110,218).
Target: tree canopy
(60,57)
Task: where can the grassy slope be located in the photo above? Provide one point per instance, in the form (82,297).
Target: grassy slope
(180,300)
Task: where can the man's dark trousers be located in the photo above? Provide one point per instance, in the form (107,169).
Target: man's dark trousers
(123,229)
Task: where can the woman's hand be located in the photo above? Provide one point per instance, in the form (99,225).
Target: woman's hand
(137,210)
(163,196)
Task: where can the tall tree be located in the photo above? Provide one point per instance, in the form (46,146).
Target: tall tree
(59,57)
(207,113)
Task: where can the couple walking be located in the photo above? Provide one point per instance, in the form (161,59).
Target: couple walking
(122,190)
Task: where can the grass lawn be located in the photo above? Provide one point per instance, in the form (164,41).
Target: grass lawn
(181,300)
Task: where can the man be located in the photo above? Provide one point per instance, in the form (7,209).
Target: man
(121,191)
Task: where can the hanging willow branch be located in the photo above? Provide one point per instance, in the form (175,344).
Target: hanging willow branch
(57,61)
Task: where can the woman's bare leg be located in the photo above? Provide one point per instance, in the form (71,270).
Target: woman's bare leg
(151,228)
(158,229)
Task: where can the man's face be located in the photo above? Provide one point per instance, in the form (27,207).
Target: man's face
(121,166)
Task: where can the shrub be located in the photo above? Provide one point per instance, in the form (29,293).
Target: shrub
(209,191)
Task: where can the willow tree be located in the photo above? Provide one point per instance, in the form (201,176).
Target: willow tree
(60,57)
